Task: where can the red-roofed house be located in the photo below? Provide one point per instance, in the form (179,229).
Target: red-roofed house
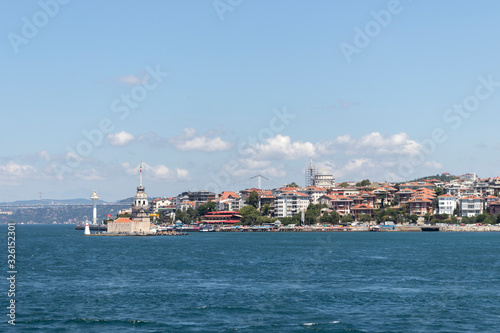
(495,208)
(489,199)
(229,200)
(362,209)
(419,206)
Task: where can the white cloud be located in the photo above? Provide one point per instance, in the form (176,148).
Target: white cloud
(160,171)
(372,156)
(189,141)
(89,174)
(281,147)
(44,155)
(133,80)
(371,144)
(120,138)
(12,173)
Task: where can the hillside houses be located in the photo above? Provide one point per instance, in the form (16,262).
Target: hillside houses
(466,196)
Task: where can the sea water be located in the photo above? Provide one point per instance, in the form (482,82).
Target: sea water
(254,282)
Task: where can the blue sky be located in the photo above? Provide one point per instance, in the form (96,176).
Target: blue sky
(220,91)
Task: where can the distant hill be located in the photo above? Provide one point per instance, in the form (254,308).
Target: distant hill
(443,178)
(127,201)
(46,202)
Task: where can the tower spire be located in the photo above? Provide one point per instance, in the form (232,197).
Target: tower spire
(140,174)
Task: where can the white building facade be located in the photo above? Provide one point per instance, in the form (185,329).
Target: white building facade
(289,204)
(470,206)
(446,204)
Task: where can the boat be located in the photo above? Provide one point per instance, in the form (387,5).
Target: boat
(429,228)
(207,229)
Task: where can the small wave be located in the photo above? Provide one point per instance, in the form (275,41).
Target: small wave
(309,324)
(334,322)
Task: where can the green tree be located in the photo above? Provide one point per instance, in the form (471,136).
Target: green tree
(253,199)
(466,220)
(291,220)
(202,210)
(413,218)
(266,210)
(332,217)
(312,213)
(249,215)
(344,184)
(363,183)
(381,197)
(347,218)
(439,191)
(364,218)
(292,184)
(263,219)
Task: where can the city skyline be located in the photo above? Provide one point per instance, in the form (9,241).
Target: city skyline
(210,94)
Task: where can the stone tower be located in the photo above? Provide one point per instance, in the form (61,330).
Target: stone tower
(140,207)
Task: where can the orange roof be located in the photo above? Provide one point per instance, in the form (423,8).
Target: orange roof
(315,188)
(446,196)
(362,206)
(471,197)
(419,200)
(123,219)
(227,194)
(341,198)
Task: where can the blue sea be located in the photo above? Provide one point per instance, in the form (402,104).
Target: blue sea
(254,282)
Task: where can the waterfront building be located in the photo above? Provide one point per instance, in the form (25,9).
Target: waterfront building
(446,204)
(470,206)
(314,192)
(287,204)
(490,199)
(222,217)
(160,203)
(495,208)
(229,201)
(404,195)
(198,197)
(268,199)
(362,209)
(339,203)
(419,206)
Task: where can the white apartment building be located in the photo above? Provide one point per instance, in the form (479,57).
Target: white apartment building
(288,204)
(470,206)
(446,204)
